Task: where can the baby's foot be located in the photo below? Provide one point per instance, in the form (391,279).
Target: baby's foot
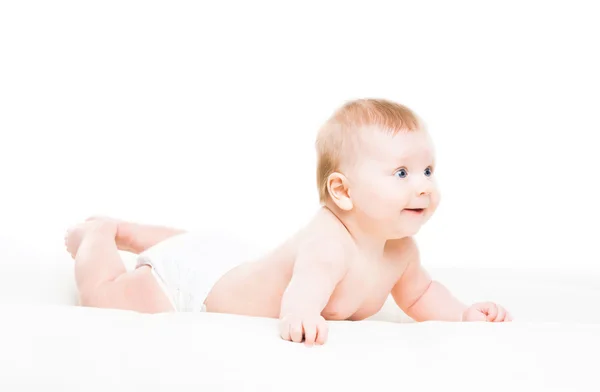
(75,234)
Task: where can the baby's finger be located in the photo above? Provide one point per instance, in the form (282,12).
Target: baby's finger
(310,333)
(284,330)
(322,332)
(501,315)
(492,312)
(296,332)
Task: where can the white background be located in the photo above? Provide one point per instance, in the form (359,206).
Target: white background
(201,116)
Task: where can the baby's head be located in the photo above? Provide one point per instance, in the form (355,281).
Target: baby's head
(375,161)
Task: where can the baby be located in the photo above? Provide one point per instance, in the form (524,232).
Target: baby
(376,181)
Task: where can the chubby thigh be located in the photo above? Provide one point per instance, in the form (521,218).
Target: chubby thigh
(135,290)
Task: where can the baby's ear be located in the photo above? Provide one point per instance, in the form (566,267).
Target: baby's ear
(337,186)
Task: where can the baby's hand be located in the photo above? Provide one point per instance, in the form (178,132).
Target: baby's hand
(313,329)
(486,311)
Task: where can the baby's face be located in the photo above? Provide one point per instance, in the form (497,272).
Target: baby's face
(392,183)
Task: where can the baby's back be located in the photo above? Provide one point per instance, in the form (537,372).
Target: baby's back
(256,288)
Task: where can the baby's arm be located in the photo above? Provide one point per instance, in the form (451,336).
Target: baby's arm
(320,265)
(421,297)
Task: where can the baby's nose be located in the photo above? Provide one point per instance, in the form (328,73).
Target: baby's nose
(425,188)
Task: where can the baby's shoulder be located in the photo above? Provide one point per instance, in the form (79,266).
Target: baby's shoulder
(326,233)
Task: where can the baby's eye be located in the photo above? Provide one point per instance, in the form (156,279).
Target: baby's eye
(402,173)
(428,172)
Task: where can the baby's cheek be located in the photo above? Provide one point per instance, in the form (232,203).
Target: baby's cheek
(391,208)
(378,207)
(400,200)
(436,197)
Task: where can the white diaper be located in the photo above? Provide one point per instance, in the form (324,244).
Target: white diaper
(188,265)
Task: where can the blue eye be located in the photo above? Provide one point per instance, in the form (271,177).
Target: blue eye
(428,172)
(402,173)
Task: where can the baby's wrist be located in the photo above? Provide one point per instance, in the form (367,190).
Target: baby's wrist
(300,312)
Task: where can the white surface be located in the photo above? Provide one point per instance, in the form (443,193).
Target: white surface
(203,114)
(47,342)
(78,349)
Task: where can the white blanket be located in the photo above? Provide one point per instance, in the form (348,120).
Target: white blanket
(79,349)
(47,342)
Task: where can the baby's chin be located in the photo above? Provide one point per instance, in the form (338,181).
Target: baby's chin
(410,227)
(406,230)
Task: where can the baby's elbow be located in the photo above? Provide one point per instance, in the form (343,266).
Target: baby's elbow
(409,298)
(419,295)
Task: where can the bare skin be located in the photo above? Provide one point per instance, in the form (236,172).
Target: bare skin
(356,251)
(254,288)
(100,275)
(262,288)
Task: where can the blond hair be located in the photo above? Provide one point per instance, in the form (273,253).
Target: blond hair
(343,124)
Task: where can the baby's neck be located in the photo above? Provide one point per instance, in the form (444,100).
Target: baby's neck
(367,242)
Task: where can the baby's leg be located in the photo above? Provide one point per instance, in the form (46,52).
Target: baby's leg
(135,237)
(139,237)
(101,277)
